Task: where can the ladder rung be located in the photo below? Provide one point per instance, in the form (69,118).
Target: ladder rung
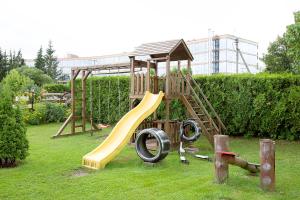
(200,114)
(77,126)
(205,122)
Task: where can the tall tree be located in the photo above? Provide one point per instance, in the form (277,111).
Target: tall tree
(3,64)
(284,53)
(39,62)
(51,63)
(292,37)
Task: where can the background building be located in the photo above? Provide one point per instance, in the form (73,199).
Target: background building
(217,54)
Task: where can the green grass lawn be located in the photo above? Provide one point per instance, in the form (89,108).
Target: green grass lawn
(53,171)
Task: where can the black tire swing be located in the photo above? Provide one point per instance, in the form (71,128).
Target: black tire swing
(194,125)
(185,138)
(163,145)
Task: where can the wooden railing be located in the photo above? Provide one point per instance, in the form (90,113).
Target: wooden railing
(202,100)
(177,84)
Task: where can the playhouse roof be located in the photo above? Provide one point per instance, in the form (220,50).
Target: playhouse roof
(176,49)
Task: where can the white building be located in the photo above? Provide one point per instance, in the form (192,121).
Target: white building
(211,55)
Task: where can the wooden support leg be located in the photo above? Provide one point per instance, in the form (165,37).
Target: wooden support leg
(267,165)
(83,106)
(221,166)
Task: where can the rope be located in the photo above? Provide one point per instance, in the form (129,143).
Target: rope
(99,102)
(91,98)
(108,99)
(119,93)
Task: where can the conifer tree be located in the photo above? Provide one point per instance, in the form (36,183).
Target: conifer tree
(39,62)
(51,63)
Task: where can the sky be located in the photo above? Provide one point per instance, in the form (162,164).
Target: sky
(100,27)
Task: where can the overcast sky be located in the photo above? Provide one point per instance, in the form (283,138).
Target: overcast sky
(96,27)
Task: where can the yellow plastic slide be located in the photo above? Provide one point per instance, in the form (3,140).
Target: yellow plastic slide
(122,132)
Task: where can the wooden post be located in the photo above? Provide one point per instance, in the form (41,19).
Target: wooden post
(178,65)
(132,76)
(167,118)
(167,77)
(267,165)
(83,102)
(221,166)
(73,101)
(148,76)
(189,74)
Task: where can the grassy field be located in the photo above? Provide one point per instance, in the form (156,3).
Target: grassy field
(53,171)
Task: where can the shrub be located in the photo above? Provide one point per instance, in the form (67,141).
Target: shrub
(56,88)
(46,113)
(17,83)
(37,75)
(13,142)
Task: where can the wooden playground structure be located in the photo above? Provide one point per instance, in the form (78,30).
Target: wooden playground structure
(146,59)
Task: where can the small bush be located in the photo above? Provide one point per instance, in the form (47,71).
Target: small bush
(56,88)
(13,142)
(46,113)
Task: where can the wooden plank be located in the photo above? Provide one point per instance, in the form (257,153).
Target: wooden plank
(61,129)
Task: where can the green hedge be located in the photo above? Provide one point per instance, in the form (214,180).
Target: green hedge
(260,105)
(56,88)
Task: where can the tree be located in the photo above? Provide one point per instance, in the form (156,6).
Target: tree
(39,62)
(37,75)
(292,37)
(284,53)
(3,64)
(51,62)
(17,83)
(13,142)
(277,59)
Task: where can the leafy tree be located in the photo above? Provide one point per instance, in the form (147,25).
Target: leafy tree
(39,62)
(284,53)
(3,64)
(51,62)
(37,75)
(277,59)
(17,83)
(13,142)
(292,37)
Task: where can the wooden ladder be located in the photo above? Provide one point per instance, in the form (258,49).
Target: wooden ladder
(201,109)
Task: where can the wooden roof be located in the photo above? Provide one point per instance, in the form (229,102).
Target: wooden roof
(176,49)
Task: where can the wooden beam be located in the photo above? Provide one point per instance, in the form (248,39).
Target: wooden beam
(73,77)
(178,65)
(61,129)
(76,72)
(83,102)
(148,76)
(168,77)
(132,86)
(189,74)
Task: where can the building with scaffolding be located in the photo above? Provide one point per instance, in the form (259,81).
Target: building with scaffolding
(225,54)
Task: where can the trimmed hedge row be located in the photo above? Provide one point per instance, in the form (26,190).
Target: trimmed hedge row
(56,88)
(260,105)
